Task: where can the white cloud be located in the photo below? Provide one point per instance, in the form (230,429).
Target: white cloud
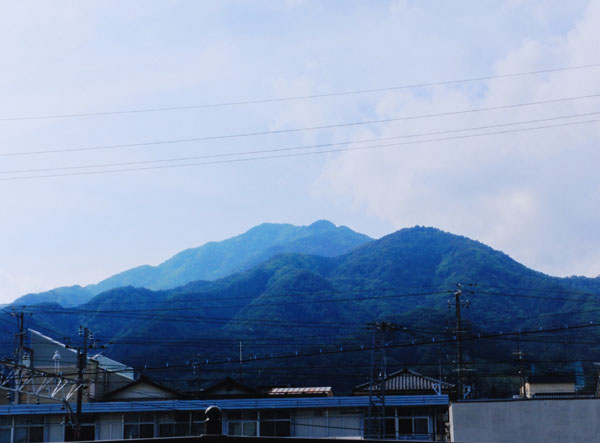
(96,56)
(533,195)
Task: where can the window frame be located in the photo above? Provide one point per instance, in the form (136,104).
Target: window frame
(139,422)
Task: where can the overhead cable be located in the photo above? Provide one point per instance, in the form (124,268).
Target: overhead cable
(299,154)
(293,130)
(294,98)
(295,148)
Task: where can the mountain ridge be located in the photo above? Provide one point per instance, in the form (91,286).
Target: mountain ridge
(406,277)
(214,260)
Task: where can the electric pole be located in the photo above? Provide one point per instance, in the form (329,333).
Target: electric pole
(81,364)
(20,337)
(460,370)
(519,359)
(376,414)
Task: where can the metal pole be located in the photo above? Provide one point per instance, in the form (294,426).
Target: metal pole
(19,353)
(370,431)
(459,362)
(81,363)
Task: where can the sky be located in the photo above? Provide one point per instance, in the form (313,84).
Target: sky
(532,193)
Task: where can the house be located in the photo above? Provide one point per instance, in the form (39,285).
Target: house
(418,422)
(263,416)
(228,388)
(57,362)
(146,409)
(144,389)
(118,406)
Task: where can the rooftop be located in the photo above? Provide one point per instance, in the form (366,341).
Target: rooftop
(226,404)
(408,381)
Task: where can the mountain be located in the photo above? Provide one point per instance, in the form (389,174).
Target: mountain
(216,260)
(66,296)
(309,302)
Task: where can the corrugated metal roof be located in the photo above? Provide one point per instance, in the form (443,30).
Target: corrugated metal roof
(300,390)
(228,404)
(407,380)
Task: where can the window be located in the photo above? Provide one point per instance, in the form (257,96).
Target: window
(28,429)
(88,429)
(421,426)
(138,426)
(405,426)
(400,425)
(275,423)
(197,426)
(339,425)
(413,425)
(175,424)
(390,427)
(5,428)
(243,423)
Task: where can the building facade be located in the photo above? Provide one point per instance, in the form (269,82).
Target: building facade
(412,418)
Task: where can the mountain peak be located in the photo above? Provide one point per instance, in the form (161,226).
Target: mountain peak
(322,225)
(215,260)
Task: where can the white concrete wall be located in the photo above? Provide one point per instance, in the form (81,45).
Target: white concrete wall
(544,421)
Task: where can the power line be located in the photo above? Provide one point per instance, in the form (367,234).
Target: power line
(156,313)
(243,160)
(295,98)
(433,341)
(416,290)
(295,148)
(539,316)
(291,130)
(535,297)
(286,303)
(545,290)
(328,292)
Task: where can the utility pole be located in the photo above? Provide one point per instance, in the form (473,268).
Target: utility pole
(376,414)
(20,337)
(459,363)
(460,370)
(81,364)
(519,359)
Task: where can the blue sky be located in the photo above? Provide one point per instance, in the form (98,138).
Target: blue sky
(535,195)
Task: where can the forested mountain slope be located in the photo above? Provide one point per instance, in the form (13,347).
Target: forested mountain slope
(300,303)
(215,260)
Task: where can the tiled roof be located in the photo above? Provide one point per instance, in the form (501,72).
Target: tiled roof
(406,380)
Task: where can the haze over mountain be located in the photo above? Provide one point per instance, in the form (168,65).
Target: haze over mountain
(216,260)
(406,277)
